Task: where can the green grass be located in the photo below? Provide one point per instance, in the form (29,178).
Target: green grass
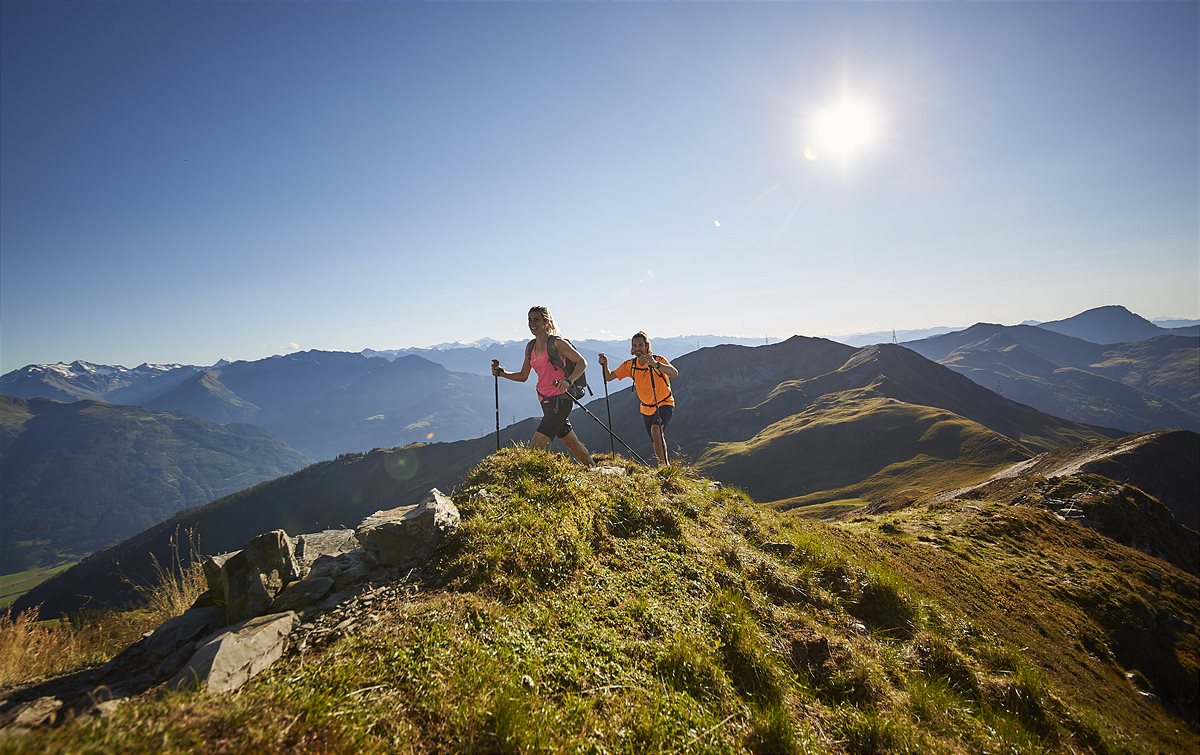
(13,586)
(575,611)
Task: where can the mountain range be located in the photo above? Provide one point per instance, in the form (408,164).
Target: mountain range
(798,422)
(77,477)
(321,403)
(325,403)
(849,426)
(477,358)
(1136,386)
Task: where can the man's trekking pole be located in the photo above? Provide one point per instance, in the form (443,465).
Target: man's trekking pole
(611,434)
(662,430)
(496,380)
(611,447)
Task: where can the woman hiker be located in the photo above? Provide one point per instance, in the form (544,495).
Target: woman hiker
(547,355)
(651,375)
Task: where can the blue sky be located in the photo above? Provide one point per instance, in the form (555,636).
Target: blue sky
(185,182)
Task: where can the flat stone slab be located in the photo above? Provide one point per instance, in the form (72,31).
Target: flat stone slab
(312,545)
(233,657)
(301,594)
(157,651)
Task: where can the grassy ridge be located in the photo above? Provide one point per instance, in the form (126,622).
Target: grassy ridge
(657,612)
(856,444)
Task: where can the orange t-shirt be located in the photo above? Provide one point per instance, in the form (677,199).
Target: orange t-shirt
(653,390)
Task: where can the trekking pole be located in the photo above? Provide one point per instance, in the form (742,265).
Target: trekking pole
(611,447)
(496,380)
(611,434)
(662,430)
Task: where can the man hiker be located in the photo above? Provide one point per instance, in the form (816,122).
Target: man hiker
(558,366)
(651,375)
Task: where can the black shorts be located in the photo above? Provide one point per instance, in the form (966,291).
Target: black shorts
(554,417)
(660,417)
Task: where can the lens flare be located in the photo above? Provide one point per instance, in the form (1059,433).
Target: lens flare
(401,463)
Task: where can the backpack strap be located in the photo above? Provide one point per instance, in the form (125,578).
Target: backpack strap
(552,352)
(666,384)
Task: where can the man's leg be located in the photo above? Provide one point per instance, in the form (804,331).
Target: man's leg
(660,448)
(540,440)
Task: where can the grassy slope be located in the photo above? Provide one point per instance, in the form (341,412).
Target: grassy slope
(638,613)
(13,586)
(1087,610)
(1166,366)
(858,444)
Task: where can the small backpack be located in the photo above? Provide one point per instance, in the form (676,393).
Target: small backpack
(566,365)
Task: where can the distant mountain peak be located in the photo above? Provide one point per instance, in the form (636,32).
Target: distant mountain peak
(1111,323)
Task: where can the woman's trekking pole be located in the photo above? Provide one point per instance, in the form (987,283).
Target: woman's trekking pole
(611,447)
(611,434)
(496,380)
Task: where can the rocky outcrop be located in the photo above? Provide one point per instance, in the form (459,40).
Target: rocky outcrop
(406,537)
(256,598)
(251,578)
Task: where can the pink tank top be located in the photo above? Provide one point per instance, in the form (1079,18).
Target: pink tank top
(547,373)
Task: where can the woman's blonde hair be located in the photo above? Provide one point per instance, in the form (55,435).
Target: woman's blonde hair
(549,318)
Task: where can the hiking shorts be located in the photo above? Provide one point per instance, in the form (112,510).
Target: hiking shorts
(660,417)
(554,417)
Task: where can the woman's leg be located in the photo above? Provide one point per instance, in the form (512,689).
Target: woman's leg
(539,440)
(577,449)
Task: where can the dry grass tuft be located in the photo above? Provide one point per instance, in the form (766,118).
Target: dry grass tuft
(31,650)
(176,584)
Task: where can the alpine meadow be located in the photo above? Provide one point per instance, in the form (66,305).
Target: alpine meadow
(687,377)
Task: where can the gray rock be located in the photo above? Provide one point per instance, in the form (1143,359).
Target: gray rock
(107,708)
(234,656)
(212,574)
(253,576)
(172,642)
(406,537)
(40,712)
(344,570)
(299,595)
(313,545)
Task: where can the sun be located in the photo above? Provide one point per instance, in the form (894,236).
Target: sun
(844,130)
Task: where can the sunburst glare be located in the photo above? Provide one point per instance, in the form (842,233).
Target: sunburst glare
(844,130)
